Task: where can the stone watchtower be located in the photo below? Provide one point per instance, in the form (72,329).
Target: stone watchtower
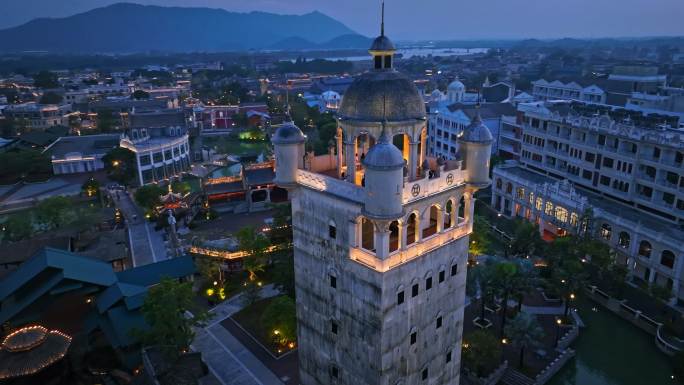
(381,238)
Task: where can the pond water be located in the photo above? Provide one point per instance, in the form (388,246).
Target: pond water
(221,172)
(610,351)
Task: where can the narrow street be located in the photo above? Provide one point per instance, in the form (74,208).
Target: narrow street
(147,245)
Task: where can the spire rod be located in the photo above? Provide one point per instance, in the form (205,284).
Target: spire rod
(382,20)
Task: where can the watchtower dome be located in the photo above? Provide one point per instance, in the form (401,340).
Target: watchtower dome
(384,180)
(476,147)
(288,142)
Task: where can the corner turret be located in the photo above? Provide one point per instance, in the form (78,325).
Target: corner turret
(476,147)
(288,142)
(384,179)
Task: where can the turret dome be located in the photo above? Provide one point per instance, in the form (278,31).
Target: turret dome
(456,85)
(383,156)
(382,43)
(477,132)
(288,132)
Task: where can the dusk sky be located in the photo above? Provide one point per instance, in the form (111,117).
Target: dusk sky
(431,19)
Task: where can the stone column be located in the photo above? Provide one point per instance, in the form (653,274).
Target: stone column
(423,146)
(340,158)
(652,274)
(350,155)
(403,232)
(382,236)
(440,220)
(413,160)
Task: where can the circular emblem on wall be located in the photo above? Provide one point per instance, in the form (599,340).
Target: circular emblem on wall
(450,179)
(415,190)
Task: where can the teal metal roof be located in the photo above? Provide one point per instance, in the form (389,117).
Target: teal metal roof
(72,266)
(148,275)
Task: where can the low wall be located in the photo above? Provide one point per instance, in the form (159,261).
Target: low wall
(551,369)
(492,379)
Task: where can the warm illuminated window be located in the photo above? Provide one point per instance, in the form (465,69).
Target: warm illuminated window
(394,236)
(520,193)
(548,209)
(448,214)
(432,224)
(531,198)
(561,214)
(573,219)
(538,206)
(367,235)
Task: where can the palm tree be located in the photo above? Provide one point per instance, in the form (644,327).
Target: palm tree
(254,245)
(524,332)
(483,278)
(505,281)
(525,280)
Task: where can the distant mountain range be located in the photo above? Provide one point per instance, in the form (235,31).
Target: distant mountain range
(132,28)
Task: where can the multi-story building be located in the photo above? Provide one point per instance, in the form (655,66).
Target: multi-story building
(78,154)
(380,245)
(36,116)
(159,140)
(447,122)
(555,90)
(625,168)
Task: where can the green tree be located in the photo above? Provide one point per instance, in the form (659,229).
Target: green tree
(18,164)
(281,316)
(105,120)
(50,98)
(91,187)
(18,227)
(121,165)
(526,239)
(181,187)
(481,352)
(149,196)
(53,212)
(504,282)
(483,279)
(524,332)
(251,293)
(480,238)
(254,244)
(45,79)
(140,94)
(166,310)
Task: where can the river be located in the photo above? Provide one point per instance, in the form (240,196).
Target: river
(610,351)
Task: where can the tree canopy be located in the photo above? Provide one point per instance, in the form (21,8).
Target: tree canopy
(121,165)
(45,79)
(149,196)
(51,98)
(280,315)
(165,311)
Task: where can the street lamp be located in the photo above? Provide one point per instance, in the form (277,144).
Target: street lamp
(558,326)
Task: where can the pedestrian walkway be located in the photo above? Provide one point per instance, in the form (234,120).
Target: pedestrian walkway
(228,360)
(147,245)
(543,310)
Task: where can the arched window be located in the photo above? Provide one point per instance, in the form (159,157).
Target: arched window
(667,258)
(606,231)
(448,214)
(367,235)
(645,249)
(432,223)
(509,188)
(499,183)
(394,236)
(411,232)
(461,210)
(332,230)
(623,240)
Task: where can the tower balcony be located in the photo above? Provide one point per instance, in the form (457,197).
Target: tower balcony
(412,251)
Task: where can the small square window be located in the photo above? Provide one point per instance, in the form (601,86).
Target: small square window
(439,322)
(454,270)
(334,372)
(441,276)
(424,375)
(333,282)
(333,327)
(414,337)
(400,298)
(448,357)
(332,231)
(428,283)
(414,290)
